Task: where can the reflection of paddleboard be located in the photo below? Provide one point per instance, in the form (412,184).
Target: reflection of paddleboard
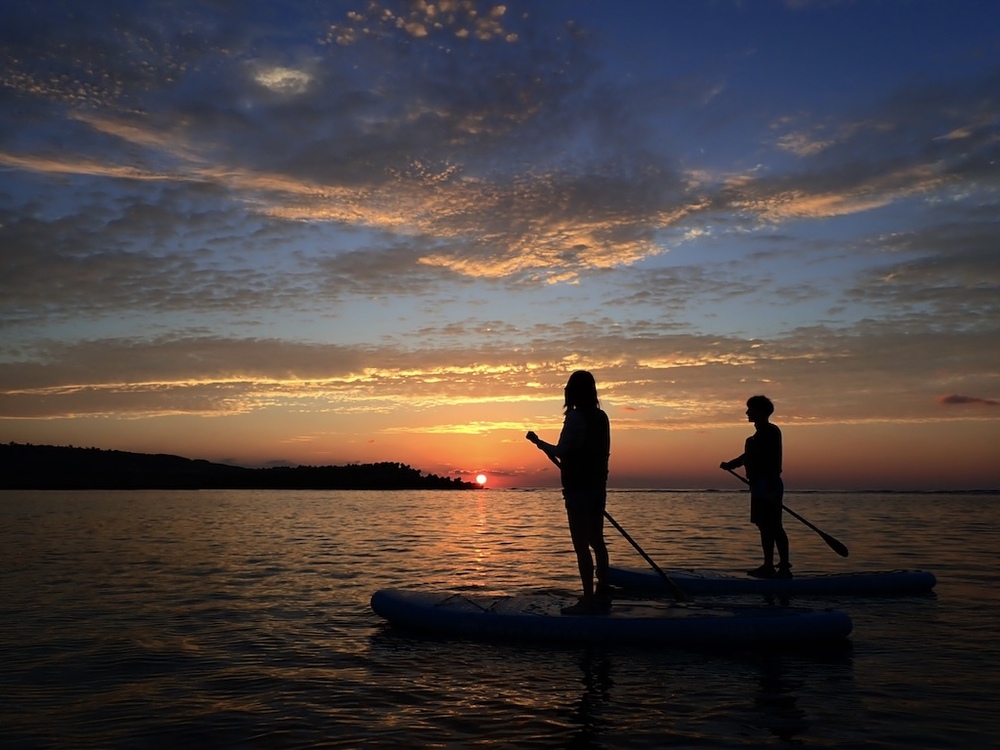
(698,582)
(649,623)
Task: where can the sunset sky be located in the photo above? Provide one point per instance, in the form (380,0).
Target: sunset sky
(329,232)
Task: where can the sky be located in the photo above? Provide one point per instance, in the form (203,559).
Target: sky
(346,232)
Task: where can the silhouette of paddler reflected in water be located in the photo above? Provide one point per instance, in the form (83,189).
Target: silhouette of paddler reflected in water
(776,701)
(589,711)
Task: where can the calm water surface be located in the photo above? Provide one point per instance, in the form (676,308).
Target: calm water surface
(241,619)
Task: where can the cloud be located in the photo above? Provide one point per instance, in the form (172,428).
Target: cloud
(160,250)
(942,275)
(417,151)
(956,400)
(682,379)
(448,20)
(460,158)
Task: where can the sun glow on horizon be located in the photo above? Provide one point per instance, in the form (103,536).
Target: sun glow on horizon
(481,480)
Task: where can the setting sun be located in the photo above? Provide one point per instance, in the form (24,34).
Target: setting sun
(481,480)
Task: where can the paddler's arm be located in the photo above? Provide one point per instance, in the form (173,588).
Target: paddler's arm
(573,431)
(547,448)
(735,463)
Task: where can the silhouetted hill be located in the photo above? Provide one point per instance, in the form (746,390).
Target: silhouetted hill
(37,467)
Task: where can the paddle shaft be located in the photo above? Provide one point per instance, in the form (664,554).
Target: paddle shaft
(839,547)
(676,590)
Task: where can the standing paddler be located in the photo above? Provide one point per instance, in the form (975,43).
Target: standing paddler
(582,455)
(761,458)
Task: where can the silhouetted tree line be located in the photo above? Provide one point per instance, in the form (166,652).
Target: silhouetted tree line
(37,467)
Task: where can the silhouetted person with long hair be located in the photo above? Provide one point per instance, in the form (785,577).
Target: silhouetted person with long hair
(582,456)
(762,460)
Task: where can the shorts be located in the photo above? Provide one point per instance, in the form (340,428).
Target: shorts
(586,501)
(765,501)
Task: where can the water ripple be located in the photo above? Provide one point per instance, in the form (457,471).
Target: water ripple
(241,619)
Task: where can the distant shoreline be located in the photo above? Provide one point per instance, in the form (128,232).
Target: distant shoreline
(49,467)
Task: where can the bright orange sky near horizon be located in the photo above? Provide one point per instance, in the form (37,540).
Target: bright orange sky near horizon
(389,231)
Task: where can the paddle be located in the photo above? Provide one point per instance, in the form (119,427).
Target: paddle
(675,590)
(839,547)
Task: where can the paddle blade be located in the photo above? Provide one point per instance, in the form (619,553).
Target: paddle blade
(837,546)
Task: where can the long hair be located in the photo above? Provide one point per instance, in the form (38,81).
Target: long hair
(581,391)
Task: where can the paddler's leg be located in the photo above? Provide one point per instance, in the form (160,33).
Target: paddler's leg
(579,530)
(600,548)
(780,537)
(767,544)
(767,547)
(781,542)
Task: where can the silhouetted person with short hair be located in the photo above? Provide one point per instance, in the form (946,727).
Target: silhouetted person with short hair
(762,460)
(582,455)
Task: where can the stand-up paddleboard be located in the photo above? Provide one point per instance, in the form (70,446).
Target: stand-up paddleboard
(707,583)
(648,623)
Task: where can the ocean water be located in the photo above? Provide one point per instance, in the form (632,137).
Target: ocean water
(241,620)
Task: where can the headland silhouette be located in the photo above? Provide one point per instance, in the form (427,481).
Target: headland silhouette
(49,467)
